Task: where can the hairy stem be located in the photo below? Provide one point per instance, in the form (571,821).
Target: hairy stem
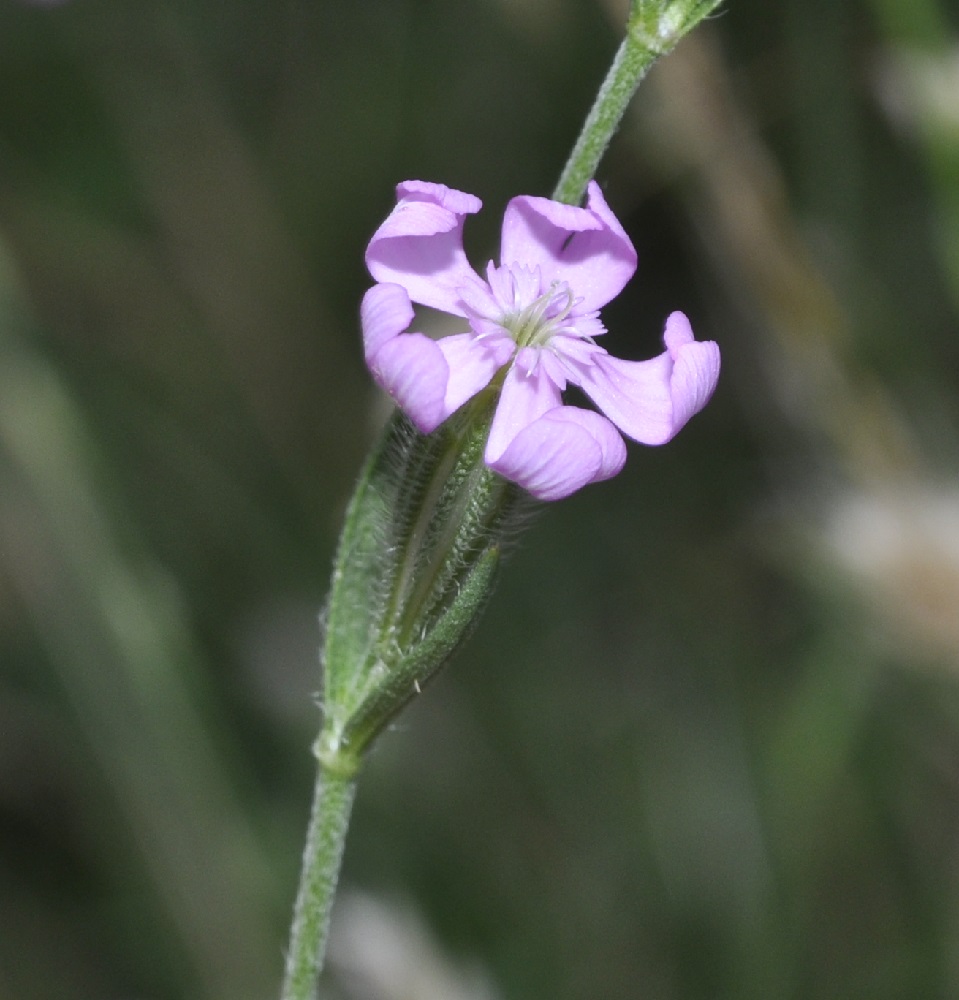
(326,836)
(630,65)
(654,28)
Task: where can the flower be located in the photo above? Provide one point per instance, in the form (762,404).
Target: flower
(533,322)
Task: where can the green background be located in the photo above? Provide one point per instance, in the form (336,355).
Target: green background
(705,743)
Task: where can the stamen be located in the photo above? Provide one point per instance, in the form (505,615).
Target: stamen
(536,322)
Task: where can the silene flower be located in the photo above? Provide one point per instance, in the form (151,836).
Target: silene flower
(532,324)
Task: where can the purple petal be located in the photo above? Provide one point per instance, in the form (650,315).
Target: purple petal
(420,245)
(409,366)
(385,311)
(528,392)
(586,247)
(561,452)
(457,202)
(412,369)
(472,364)
(695,371)
(650,401)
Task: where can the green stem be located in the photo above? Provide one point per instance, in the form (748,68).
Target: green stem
(332,802)
(654,28)
(630,65)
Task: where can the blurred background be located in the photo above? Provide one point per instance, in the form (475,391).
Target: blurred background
(705,743)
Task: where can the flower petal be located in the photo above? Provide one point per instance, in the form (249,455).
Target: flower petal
(407,365)
(650,401)
(586,247)
(695,371)
(420,245)
(385,311)
(472,361)
(561,452)
(412,369)
(528,392)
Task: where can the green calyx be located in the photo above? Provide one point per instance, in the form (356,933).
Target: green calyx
(416,565)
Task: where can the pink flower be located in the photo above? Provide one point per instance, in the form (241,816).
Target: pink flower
(536,315)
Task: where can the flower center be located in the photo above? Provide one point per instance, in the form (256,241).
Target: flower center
(536,325)
(518,304)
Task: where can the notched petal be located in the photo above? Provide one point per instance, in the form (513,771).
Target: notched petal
(385,311)
(458,202)
(586,247)
(420,244)
(695,369)
(650,401)
(560,452)
(412,369)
